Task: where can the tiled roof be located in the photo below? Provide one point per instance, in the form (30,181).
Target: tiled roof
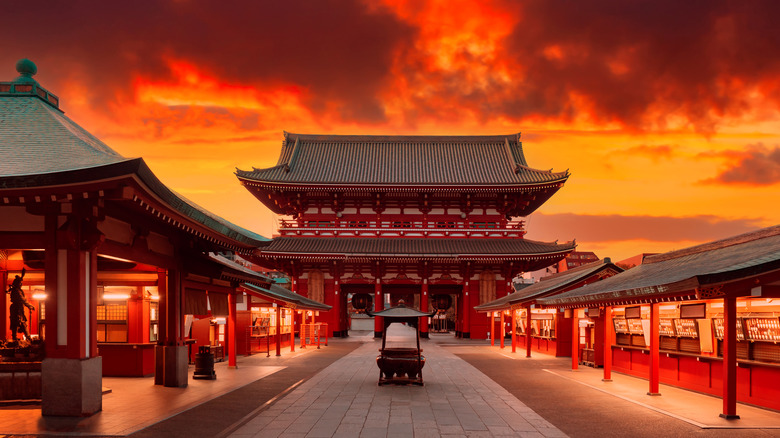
(402,160)
(239,272)
(40,146)
(37,138)
(549,285)
(279,293)
(679,272)
(413,247)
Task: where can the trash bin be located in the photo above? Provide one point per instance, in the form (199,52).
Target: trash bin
(204,364)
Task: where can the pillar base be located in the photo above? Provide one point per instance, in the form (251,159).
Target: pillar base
(729,417)
(71,387)
(171,365)
(424,335)
(466,335)
(609,380)
(654,394)
(377,334)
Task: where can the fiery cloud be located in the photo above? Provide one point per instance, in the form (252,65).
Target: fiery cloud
(640,65)
(757,165)
(630,96)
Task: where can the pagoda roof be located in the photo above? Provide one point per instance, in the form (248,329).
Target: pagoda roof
(680,273)
(552,284)
(276,292)
(364,160)
(41,147)
(430,248)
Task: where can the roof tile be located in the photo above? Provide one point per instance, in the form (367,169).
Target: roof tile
(402,160)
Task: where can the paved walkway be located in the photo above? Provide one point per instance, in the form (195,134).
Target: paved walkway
(134,403)
(334,392)
(344,400)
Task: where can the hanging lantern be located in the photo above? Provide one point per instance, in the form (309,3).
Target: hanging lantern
(360,301)
(441,302)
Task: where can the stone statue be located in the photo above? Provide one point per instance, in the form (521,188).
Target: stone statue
(18,303)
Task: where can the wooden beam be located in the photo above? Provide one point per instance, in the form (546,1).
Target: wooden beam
(22,240)
(114,249)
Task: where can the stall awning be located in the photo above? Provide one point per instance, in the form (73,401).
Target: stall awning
(219,304)
(195,302)
(278,293)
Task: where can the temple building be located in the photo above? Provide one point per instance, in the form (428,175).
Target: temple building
(114,264)
(431,220)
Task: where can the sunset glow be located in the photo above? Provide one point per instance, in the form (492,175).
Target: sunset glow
(665,113)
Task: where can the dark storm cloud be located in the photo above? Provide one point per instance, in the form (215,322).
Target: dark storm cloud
(640,64)
(757,165)
(690,57)
(632,62)
(611,228)
(336,50)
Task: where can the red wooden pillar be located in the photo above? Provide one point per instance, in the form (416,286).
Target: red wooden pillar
(575,340)
(379,304)
(71,373)
(337,330)
(655,355)
(466,329)
(514,330)
(231,330)
(292,330)
(609,329)
(492,319)
(424,308)
(501,331)
(171,357)
(730,359)
(302,330)
(528,331)
(278,330)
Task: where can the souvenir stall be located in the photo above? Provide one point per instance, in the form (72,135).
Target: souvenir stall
(545,330)
(704,318)
(274,313)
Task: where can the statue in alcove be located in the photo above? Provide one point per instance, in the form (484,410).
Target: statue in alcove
(18,303)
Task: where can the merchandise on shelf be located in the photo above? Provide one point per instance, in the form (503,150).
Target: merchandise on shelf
(686,328)
(763,329)
(635,326)
(621,326)
(666,327)
(717,323)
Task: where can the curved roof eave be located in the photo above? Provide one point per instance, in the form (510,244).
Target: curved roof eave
(129,168)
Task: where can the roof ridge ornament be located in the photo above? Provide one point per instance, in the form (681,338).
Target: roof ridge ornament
(26,69)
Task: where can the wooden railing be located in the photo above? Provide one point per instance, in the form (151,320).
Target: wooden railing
(401,224)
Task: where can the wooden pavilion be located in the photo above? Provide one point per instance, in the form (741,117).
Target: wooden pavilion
(82,219)
(404,217)
(544,330)
(706,318)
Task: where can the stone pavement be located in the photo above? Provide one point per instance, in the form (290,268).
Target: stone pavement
(134,403)
(344,400)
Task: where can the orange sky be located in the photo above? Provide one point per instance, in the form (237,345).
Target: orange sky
(665,112)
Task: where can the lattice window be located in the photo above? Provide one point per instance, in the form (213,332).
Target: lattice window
(487,286)
(112,322)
